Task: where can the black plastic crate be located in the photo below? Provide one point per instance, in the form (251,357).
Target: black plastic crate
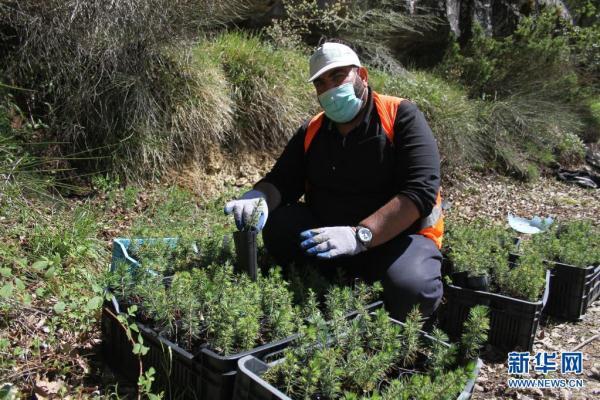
(513,322)
(250,386)
(176,372)
(205,375)
(572,290)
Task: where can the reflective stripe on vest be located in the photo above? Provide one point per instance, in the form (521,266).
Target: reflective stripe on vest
(432,226)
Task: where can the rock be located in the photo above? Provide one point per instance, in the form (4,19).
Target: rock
(523,397)
(478,388)
(535,391)
(564,394)
(595,372)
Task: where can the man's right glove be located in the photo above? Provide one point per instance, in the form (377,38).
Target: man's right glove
(245,206)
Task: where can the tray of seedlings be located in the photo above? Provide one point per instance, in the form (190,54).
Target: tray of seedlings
(197,316)
(572,253)
(369,356)
(479,269)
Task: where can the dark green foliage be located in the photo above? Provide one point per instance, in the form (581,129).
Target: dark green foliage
(475,332)
(500,67)
(539,79)
(194,303)
(369,357)
(575,243)
(213,305)
(483,248)
(441,356)
(477,247)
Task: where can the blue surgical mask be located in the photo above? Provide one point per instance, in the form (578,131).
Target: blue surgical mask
(340,103)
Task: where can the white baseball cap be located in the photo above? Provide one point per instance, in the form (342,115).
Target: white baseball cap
(331,55)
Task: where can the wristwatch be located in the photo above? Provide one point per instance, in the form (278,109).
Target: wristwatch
(364,235)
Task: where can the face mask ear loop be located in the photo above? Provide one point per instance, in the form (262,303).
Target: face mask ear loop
(362,95)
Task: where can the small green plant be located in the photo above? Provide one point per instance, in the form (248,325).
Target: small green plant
(575,243)
(475,332)
(194,303)
(482,249)
(372,357)
(252,225)
(477,247)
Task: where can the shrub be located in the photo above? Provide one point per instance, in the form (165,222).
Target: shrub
(537,81)
(20,167)
(593,120)
(374,28)
(109,82)
(272,97)
(497,68)
(454,119)
(570,149)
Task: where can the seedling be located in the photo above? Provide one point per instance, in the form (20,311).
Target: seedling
(212,305)
(373,357)
(575,243)
(481,251)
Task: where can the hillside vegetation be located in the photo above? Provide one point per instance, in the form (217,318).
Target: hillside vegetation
(134,92)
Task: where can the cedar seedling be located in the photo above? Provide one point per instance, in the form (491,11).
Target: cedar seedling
(251,226)
(363,362)
(475,333)
(410,336)
(441,356)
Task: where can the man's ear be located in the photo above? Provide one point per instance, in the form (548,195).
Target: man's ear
(364,75)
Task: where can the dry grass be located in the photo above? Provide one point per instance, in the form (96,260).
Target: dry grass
(272,97)
(109,82)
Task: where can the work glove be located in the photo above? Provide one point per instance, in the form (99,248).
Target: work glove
(245,206)
(331,242)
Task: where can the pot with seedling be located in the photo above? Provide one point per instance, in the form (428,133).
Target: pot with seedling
(246,245)
(572,253)
(478,274)
(515,292)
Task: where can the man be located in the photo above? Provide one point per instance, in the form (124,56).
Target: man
(369,170)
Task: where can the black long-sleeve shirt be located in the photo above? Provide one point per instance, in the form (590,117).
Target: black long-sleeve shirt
(346,179)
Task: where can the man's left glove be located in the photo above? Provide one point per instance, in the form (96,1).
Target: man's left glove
(331,242)
(253,201)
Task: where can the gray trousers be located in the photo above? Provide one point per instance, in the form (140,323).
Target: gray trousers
(408,266)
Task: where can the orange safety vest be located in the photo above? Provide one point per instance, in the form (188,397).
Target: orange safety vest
(432,226)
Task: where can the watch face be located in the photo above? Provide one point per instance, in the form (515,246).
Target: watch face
(365,235)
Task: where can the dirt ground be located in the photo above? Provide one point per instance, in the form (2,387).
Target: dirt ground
(474,195)
(493,197)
